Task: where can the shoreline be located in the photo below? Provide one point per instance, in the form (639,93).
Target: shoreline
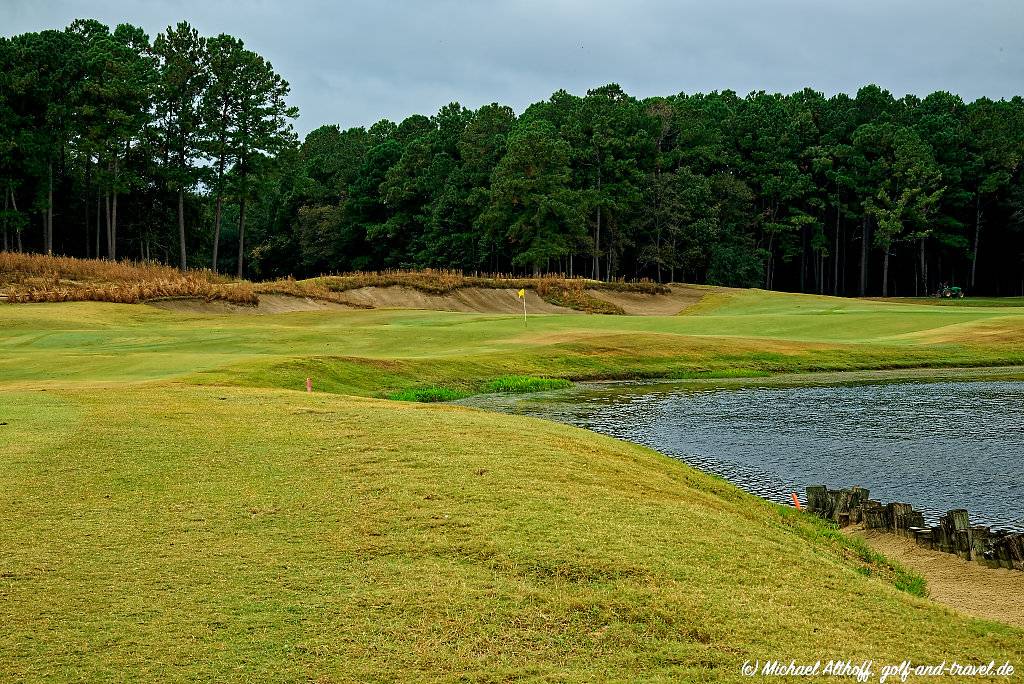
(847,377)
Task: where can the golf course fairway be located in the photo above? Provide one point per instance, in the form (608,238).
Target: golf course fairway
(176,507)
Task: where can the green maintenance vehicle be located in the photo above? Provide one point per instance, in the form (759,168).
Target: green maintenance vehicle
(947,292)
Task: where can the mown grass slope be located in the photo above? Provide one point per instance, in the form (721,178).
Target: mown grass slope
(207,534)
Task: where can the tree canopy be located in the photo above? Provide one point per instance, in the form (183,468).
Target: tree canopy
(113,145)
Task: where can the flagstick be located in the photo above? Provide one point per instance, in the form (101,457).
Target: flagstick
(524,311)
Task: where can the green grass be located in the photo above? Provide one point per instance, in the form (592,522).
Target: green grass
(965,302)
(506,383)
(214,534)
(177,508)
(376,353)
(871,562)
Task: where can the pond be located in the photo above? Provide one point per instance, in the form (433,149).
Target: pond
(936,445)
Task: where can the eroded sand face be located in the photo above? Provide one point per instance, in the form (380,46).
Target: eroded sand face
(467,300)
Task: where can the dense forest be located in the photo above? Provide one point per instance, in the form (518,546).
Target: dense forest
(113,145)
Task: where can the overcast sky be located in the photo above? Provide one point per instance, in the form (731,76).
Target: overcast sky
(353,63)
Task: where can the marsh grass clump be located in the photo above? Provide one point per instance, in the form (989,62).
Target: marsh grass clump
(505,384)
(518,384)
(428,394)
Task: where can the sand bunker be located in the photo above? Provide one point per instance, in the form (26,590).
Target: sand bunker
(467,300)
(639,304)
(269,304)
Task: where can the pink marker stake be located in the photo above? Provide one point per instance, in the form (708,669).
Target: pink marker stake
(309,385)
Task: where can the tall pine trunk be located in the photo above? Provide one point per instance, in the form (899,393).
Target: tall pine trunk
(885,273)
(220,207)
(672,265)
(6,205)
(99,217)
(835,254)
(113,227)
(977,234)
(803,258)
(864,257)
(17,231)
(181,226)
(609,264)
(49,211)
(106,201)
(85,203)
(241,231)
(216,231)
(924,268)
(597,228)
(113,215)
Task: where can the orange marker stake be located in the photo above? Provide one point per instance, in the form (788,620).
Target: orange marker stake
(309,389)
(796,502)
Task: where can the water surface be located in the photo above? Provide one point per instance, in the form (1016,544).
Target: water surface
(936,445)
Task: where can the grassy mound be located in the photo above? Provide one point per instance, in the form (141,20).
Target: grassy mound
(213,534)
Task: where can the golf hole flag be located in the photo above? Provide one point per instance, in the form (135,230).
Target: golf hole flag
(522,295)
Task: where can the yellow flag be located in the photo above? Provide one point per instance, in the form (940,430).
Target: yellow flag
(522,294)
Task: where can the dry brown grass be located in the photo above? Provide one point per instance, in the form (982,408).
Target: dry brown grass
(442,281)
(40,278)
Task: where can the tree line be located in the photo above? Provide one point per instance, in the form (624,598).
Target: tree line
(114,145)
(852,195)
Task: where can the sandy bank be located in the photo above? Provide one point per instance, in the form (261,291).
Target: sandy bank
(967,587)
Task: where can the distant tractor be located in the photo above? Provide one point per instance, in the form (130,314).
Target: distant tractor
(947,292)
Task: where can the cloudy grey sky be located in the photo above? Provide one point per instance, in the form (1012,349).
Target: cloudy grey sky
(353,62)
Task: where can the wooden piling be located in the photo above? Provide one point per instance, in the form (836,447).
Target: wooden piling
(953,534)
(957,529)
(816,498)
(858,497)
